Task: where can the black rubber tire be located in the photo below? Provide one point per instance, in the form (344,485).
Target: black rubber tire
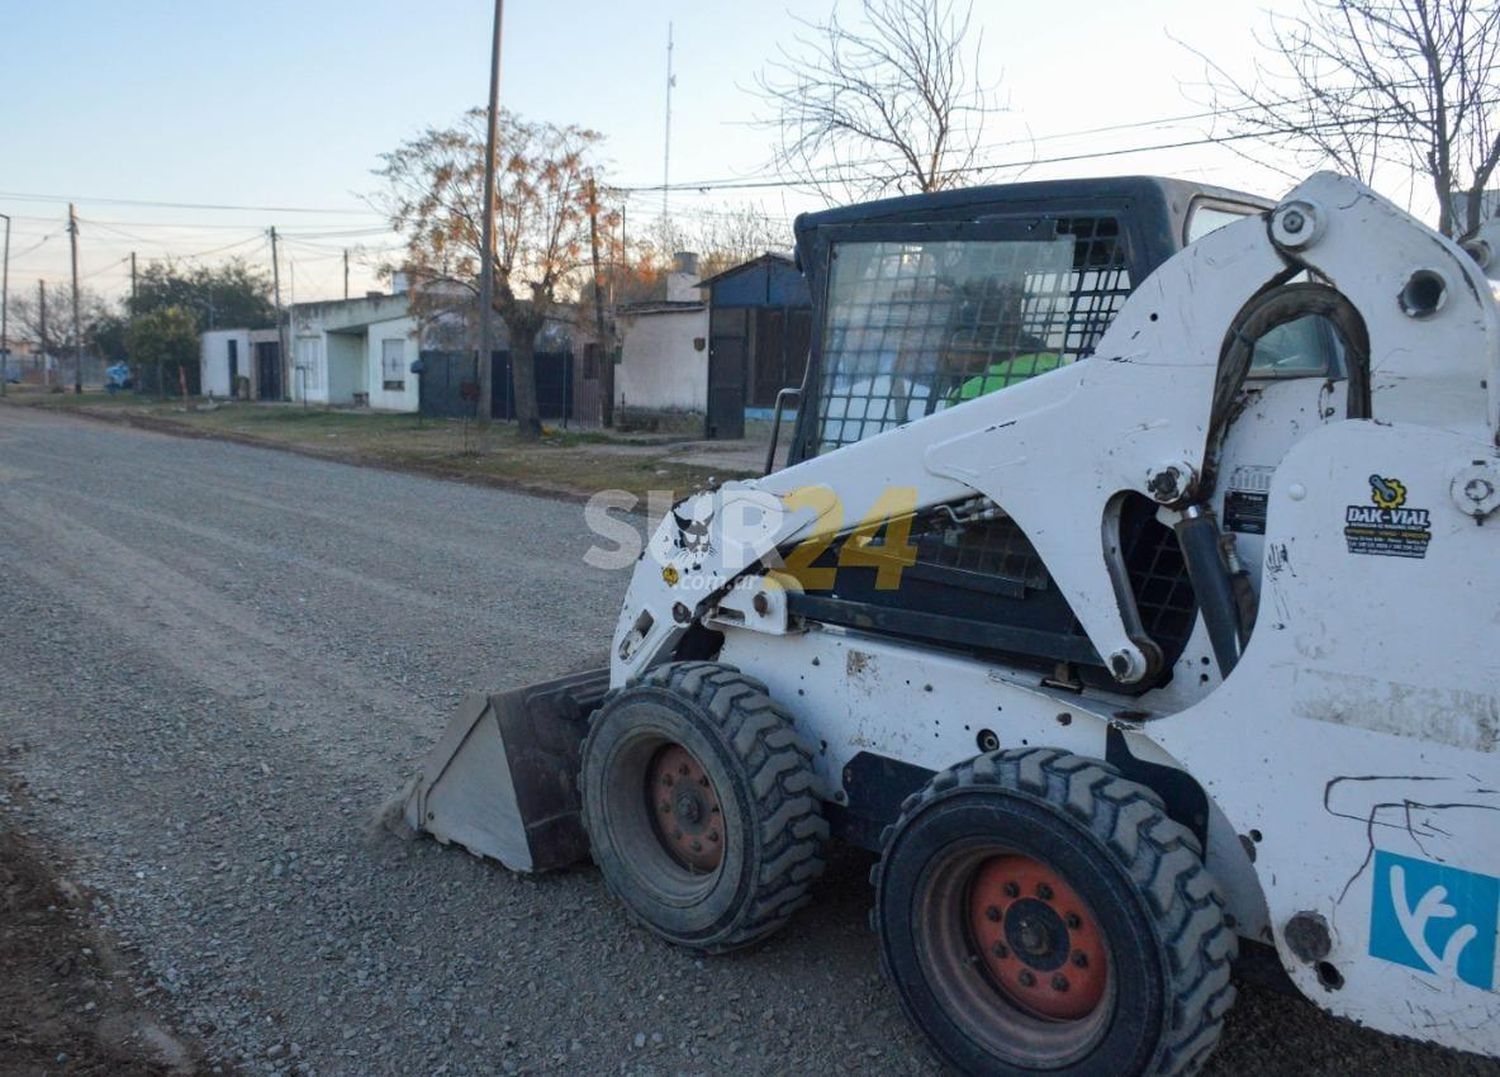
(1141,873)
(767,789)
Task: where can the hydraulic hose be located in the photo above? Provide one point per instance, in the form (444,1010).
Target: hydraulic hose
(1275,307)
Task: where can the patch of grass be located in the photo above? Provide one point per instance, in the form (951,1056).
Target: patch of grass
(571,462)
(39,397)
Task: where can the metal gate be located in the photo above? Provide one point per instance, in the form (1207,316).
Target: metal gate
(448,385)
(728,332)
(268,370)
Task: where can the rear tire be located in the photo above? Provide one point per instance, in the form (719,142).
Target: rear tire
(702,807)
(1038,912)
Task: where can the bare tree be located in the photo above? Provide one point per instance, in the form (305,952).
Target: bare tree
(721,236)
(435,197)
(56,336)
(894,105)
(1375,86)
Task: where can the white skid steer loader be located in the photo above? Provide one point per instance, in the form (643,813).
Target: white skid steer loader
(1128,649)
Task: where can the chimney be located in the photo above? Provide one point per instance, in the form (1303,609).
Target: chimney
(682,282)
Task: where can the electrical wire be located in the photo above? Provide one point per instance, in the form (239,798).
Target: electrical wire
(214,206)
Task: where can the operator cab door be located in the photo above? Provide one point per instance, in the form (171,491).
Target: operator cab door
(915,317)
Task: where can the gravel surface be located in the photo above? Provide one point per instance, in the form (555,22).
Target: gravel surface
(219,661)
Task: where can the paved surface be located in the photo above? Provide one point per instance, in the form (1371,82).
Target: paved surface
(216,662)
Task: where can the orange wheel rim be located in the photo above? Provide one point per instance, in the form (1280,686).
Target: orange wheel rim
(1037,938)
(685,808)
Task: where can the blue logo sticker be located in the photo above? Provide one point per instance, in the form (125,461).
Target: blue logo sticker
(1435,918)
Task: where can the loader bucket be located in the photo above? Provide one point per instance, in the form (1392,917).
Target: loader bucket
(503,779)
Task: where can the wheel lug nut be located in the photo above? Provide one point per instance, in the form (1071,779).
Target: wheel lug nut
(666,779)
(697,846)
(1044,891)
(992,914)
(1012,890)
(1000,950)
(676,835)
(665,807)
(1074,921)
(713,835)
(1026,978)
(1059,982)
(1080,959)
(703,781)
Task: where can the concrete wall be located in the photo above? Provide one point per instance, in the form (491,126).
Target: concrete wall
(402,331)
(340,343)
(344,354)
(659,368)
(335,314)
(214,360)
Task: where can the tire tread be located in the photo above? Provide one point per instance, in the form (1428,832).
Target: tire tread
(788,811)
(1163,858)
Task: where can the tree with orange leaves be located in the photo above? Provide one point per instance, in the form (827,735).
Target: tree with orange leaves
(435,198)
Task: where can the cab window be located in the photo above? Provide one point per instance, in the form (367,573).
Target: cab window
(1306,348)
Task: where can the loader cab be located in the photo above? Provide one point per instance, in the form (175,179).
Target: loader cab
(923,302)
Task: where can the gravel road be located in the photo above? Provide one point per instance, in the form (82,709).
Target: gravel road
(218,661)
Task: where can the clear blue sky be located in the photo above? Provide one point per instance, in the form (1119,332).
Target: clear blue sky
(282,104)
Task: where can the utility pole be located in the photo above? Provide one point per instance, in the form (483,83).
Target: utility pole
(77,336)
(666,157)
(129,355)
(487,238)
(5,310)
(41,302)
(346,272)
(605,346)
(280,325)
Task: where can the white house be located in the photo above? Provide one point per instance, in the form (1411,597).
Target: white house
(664,347)
(244,363)
(355,351)
(663,357)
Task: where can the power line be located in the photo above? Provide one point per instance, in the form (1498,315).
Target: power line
(22,197)
(104,269)
(37,245)
(1124,151)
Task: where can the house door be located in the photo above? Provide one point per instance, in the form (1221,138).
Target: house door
(234,368)
(268,370)
(726,373)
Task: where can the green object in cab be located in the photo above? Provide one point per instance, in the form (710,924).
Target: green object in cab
(1005,373)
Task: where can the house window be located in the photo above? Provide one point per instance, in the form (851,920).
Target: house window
(393,364)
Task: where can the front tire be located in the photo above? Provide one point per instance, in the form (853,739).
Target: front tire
(1038,912)
(701,806)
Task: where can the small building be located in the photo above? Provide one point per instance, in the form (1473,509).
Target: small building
(760,330)
(663,367)
(242,364)
(663,362)
(355,351)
